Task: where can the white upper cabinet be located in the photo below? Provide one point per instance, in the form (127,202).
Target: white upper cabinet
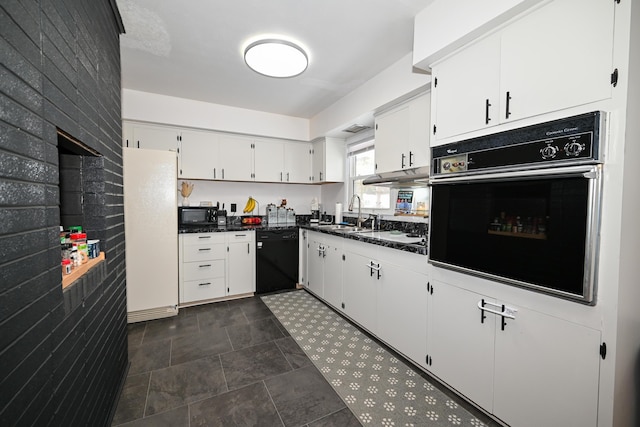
(555,58)
(540,63)
(391,133)
(402,136)
(297,162)
(329,158)
(466,89)
(269,161)
(236,158)
(282,161)
(199,155)
(150,137)
(219,156)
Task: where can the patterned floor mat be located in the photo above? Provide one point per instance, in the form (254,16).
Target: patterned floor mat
(379,388)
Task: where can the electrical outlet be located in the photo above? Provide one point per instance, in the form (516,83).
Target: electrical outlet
(233,207)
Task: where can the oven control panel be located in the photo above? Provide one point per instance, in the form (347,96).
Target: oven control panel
(453,164)
(570,141)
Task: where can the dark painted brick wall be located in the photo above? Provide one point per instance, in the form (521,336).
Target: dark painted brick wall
(63,355)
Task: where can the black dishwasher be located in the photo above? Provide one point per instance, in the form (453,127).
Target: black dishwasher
(276,260)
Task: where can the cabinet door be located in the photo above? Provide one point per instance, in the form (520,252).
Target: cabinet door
(297,162)
(127,135)
(418,144)
(391,137)
(154,138)
(269,161)
(550,62)
(199,152)
(333,272)
(402,311)
(546,362)
(241,264)
(359,290)
(460,345)
(318,174)
(236,158)
(463,86)
(315,273)
(304,255)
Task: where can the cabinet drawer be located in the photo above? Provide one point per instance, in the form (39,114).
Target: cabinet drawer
(203,269)
(240,236)
(203,252)
(202,238)
(196,290)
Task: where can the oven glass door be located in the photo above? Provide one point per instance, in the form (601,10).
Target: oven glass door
(536,230)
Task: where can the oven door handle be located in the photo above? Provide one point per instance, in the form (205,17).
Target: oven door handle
(586,171)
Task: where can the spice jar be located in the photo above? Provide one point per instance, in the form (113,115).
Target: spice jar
(66,267)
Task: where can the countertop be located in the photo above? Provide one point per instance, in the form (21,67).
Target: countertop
(234,227)
(372,238)
(417,248)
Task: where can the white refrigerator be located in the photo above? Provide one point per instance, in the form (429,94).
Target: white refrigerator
(151,233)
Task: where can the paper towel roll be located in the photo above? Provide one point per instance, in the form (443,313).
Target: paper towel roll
(338,214)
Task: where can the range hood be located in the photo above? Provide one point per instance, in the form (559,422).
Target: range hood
(415,177)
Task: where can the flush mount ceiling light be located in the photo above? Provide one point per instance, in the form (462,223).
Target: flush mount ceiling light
(276,58)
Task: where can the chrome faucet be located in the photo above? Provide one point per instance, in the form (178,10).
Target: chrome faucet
(375,222)
(359,220)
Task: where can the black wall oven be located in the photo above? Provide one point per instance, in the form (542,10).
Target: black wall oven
(522,207)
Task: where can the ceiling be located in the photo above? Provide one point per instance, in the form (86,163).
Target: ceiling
(194,49)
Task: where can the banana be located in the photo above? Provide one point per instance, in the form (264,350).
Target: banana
(250,206)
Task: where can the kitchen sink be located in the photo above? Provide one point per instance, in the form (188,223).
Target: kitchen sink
(342,228)
(391,236)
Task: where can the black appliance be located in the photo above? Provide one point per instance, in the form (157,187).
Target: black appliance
(522,207)
(276,260)
(197,215)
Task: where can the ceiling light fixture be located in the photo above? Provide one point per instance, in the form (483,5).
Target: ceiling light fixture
(276,58)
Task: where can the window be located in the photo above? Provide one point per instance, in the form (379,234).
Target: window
(362,163)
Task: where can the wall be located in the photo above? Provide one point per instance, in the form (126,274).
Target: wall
(298,195)
(441,28)
(63,355)
(155,108)
(397,81)
(627,356)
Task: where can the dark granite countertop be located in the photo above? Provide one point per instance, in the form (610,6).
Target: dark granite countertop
(233,227)
(417,248)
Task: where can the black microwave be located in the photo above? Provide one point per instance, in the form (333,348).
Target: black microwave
(197,215)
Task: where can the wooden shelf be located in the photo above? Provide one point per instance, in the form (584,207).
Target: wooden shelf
(521,235)
(77,272)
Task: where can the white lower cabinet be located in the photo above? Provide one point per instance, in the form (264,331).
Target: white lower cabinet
(387,296)
(241,262)
(532,370)
(333,270)
(402,310)
(360,289)
(315,264)
(216,265)
(202,266)
(324,275)
(383,290)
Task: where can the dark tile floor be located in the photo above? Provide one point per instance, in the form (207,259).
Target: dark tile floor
(224,364)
